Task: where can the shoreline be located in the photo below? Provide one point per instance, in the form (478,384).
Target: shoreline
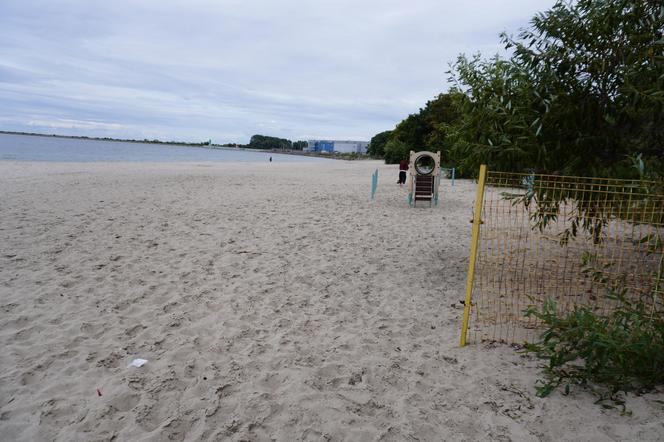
(334,156)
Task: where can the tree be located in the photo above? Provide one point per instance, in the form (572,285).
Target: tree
(581,94)
(412,131)
(395,151)
(500,123)
(299,145)
(265,142)
(440,115)
(426,130)
(377,144)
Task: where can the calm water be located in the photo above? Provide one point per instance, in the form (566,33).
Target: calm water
(44,148)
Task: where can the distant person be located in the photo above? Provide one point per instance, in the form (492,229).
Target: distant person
(270,159)
(403,169)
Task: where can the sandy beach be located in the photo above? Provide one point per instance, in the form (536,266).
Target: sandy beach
(271,301)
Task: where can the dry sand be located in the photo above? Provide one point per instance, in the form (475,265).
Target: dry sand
(272,301)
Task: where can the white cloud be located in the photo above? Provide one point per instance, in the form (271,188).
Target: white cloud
(62,123)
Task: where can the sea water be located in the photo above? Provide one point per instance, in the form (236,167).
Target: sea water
(56,149)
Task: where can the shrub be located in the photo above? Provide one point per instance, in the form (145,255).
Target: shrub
(395,151)
(622,351)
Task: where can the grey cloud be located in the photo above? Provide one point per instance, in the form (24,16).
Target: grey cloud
(228,68)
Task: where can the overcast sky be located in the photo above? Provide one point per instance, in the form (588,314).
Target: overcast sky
(227,69)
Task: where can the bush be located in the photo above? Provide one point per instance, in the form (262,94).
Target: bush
(395,151)
(620,351)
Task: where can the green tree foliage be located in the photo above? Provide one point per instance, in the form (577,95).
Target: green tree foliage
(395,151)
(497,104)
(581,94)
(299,145)
(265,142)
(440,114)
(377,144)
(429,128)
(412,131)
(582,91)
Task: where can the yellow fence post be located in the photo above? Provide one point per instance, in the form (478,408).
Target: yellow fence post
(474,242)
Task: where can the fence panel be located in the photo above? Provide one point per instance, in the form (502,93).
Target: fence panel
(568,238)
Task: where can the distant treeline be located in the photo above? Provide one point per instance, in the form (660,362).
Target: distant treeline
(256,142)
(122,140)
(581,94)
(266,142)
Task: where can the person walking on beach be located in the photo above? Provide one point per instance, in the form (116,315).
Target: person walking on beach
(403,168)
(270,159)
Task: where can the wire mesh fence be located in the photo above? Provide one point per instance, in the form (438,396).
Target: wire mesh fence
(567,238)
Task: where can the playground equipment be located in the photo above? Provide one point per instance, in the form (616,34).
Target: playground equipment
(424,177)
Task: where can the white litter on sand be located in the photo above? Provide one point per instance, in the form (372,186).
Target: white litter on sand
(138,362)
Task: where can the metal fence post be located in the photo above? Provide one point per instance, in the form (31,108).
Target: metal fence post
(474,242)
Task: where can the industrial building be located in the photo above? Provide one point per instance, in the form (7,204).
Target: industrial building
(339,146)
